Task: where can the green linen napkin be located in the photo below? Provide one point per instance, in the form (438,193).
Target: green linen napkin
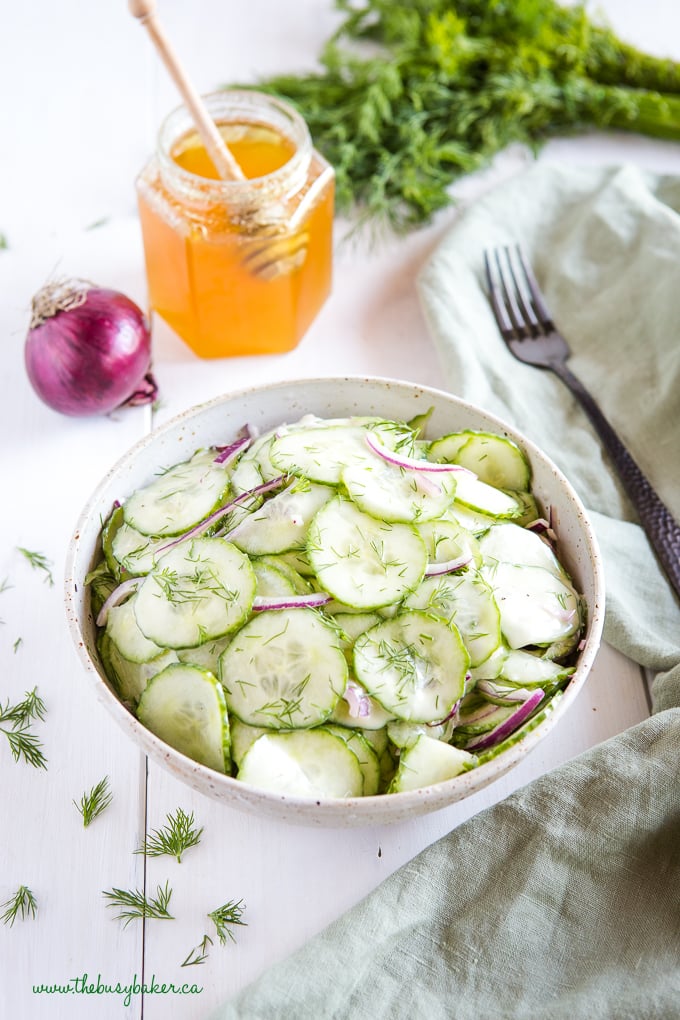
(562,901)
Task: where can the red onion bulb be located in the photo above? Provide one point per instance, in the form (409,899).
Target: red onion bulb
(88,349)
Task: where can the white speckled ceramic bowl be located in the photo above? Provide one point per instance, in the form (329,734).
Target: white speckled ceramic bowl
(216,423)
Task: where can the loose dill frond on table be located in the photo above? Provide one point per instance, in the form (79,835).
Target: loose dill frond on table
(23,743)
(177,835)
(134,904)
(225,916)
(39,562)
(447,84)
(199,954)
(23,904)
(95,801)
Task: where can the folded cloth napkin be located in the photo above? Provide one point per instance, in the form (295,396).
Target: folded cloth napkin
(562,901)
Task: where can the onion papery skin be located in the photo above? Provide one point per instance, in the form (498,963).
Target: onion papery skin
(90,359)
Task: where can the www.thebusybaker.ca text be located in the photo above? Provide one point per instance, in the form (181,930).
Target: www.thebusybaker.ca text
(84,986)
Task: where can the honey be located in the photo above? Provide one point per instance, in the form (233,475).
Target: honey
(238,267)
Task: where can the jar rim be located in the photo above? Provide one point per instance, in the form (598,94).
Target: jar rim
(223,106)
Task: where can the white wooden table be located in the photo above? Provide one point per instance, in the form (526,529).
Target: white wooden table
(82,97)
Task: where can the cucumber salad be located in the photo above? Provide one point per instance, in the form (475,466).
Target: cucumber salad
(338,607)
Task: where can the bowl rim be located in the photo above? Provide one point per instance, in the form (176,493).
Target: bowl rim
(324,810)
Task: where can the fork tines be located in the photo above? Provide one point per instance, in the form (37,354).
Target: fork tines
(518,305)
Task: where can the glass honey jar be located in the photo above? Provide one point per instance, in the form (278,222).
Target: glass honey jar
(238,267)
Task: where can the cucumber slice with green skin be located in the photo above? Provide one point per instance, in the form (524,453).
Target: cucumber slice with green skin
(185,707)
(471,520)
(180,498)
(485,499)
(284,670)
(199,590)
(529,509)
(366,756)
(521,732)
(298,560)
(254,466)
(130,678)
(510,543)
(536,607)
(282,522)
(375,718)
(490,668)
(467,601)
(243,737)
(445,449)
(271,582)
(109,531)
(447,540)
(414,665)
(391,493)
(351,626)
(296,581)
(363,562)
(133,552)
(427,762)
(306,763)
(320,453)
(522,669)
(205,656)
(479,715)
(496,460)
(123,630)
(403,734)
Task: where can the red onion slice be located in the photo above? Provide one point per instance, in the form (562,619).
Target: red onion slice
(510,694)
(115,598)
(412,463)
(508,726)
(231,451)
(358,701)
(312,601)
(447,566)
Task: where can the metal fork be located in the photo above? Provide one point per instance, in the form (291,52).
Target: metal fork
(528,329)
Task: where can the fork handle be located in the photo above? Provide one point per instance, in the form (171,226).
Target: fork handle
(662,530)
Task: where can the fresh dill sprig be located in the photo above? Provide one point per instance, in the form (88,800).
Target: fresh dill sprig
(176,836)
(23,743)
(16,644)
(225,916)
(22,904)
(39,562)
(93,803)
(133,904)
(199,954)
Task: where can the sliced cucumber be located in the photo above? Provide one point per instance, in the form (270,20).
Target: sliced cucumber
(130,678)
(243,737)
(123,629)
(351,626)
(495,459)
(392,493)
(404,734)
(447,539)
(109,531)
(427,762)
(478,715)
(509,543)
(294,578)
(366,756)
(414,665)
(307,763)
(363,562)
(519,734)
(205,656)
(134,552)
(281,523)
(271,582)
(485,499)
(536,607)
(179,498)
(523,669)
(467,601)
(102,583)
(199,590)
(185,707)
(285,669)
(375,718)
(320,453)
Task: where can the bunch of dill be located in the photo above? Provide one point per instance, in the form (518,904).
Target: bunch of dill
(447,84)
